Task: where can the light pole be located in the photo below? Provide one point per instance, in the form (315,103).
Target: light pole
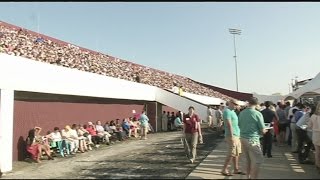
(235,32)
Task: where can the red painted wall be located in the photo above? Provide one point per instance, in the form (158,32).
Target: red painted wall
(51,114)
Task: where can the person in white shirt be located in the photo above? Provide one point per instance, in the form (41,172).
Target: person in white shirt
(102,133)
(164,121)
(56,139)
(66,134)
(175,88)
(314,124)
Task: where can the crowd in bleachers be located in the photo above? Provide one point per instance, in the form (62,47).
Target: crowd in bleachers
(79,138)
(21,42)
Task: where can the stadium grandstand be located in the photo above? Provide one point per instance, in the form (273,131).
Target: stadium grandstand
(51,107)
(22,42)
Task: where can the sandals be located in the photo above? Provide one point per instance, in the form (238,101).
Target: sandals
(226,174)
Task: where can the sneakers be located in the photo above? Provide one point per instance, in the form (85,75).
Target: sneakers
(191,161)
(97,146)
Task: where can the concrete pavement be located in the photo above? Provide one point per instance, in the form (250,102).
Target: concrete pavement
(283,165)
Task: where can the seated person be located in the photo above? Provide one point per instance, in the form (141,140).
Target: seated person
(117,130)
(125,126)
(133,128)
(87,135)
(70,141)
(43,141)
(177,122)
(93,132)
(83,137)
(79,142)
(107,128)
(101,133)
(34,148)
(56,140)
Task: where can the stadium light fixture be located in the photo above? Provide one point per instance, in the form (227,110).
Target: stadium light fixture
(235,32)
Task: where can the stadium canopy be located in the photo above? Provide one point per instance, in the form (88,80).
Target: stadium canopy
(312,88)
(204,99)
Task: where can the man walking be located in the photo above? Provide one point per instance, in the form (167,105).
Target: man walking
(268,116)
(232,137)
(191,125)
(251,125)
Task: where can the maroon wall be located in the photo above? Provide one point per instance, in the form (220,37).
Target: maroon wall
(51,114)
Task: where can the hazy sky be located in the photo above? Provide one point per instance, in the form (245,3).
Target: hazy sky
(278,42)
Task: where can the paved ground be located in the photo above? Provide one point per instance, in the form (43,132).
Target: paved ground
(283,165)
(161,156)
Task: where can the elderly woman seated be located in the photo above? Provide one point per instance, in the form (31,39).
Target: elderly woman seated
(67,135)
(56,141)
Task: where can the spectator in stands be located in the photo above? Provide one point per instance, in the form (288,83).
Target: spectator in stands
(164,121)
(181,90)
(144,120)
(24,43)
(137,78)
(102,133)
(175,88)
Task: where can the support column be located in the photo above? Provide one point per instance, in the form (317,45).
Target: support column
(6,129)
(159,118)
(152,114)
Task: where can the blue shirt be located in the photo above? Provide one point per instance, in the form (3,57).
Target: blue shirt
(144,120)
(298,115)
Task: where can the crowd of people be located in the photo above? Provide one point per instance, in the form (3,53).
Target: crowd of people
(251,130)
(21,42)
(80,138)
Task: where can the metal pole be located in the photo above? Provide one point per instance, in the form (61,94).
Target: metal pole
(235,59)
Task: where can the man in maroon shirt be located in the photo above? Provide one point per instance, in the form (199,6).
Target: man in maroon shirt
(191,130)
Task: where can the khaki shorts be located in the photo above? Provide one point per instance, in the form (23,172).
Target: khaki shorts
(252,152)
(233,149)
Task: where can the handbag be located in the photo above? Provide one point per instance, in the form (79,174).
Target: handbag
(85,134)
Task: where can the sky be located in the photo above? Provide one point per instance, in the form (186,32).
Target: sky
(278,41)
